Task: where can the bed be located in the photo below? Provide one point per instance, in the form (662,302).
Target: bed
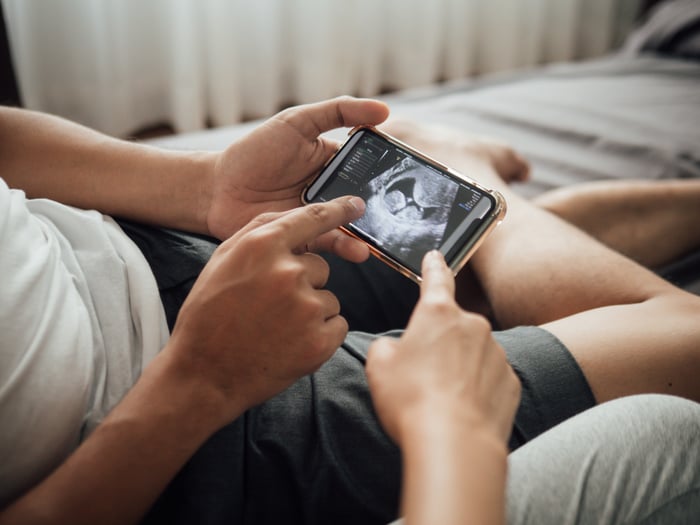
(633,114)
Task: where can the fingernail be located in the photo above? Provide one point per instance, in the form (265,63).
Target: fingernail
(434,258)
(357,203)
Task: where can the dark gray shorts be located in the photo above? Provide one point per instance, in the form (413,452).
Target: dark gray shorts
(316,453)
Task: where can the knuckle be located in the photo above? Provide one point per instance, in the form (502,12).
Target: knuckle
(312,308)
(282,278)
(440,306)
(380,353)
(265,218)
(260,239)
(472,327)
(382,346)
(289,272)
(478,324)
(318,212)
(343,99)
(333,339)
(289,114)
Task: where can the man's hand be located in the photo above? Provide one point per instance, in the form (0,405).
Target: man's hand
(268,169)
(257,318)
(214,193)
(447,361)
(255,321)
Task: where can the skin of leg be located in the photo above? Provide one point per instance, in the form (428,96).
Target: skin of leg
(652,222)
(629,330)
(476,153)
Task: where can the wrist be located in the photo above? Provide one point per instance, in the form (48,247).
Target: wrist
(439,421)
(198,169)
(454,467)
(175,391)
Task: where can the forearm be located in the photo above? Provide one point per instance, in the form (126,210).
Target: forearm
(50,157)
(454,472)
(119,471)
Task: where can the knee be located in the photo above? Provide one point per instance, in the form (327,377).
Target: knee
(635,457)
(660,415)
(663,432)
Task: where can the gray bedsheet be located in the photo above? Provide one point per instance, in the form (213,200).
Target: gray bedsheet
(620,117)
(613,118)
(617,118)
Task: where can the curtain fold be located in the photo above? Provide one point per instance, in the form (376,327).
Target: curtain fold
(119,65)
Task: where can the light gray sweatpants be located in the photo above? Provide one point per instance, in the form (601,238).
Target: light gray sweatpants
(635,460)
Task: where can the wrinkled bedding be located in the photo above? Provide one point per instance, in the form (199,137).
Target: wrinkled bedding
(620,117)
(635,114)
(614,118)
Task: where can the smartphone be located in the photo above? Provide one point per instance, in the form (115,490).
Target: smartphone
(414,204)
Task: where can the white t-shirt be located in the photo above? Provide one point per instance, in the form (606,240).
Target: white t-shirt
(80,316)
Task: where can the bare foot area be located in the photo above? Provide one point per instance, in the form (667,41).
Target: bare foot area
(481,158)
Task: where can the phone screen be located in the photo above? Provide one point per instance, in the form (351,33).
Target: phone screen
(412,206)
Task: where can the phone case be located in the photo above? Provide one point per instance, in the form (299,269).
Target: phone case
(495,216)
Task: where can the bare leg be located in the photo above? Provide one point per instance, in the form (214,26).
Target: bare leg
(630,331)
(476,154)
(652,222)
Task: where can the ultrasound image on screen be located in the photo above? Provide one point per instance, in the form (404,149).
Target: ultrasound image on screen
(407,209)
(411,207)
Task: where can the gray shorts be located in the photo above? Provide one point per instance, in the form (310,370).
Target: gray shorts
(316,453)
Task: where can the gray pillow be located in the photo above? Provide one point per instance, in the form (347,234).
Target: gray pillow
(672,29)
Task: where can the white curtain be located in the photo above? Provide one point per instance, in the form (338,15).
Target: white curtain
(119,65)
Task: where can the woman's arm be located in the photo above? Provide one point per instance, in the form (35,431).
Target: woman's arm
(446,394)
(454,469)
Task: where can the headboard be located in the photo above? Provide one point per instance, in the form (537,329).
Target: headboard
(9,93)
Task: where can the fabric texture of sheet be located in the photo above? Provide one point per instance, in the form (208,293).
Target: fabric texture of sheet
(627,116)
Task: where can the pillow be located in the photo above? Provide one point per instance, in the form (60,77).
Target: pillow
(671,29)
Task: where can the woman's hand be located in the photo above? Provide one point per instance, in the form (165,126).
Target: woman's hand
(446,394)
(447,360)
(268,169)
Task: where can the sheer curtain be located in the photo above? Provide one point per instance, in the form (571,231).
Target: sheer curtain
(119,65)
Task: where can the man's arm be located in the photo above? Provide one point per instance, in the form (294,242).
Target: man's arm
(214,193)
(48,156)
(220,360)
(447,396)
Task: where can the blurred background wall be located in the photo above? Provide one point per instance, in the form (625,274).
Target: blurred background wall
(122,65)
